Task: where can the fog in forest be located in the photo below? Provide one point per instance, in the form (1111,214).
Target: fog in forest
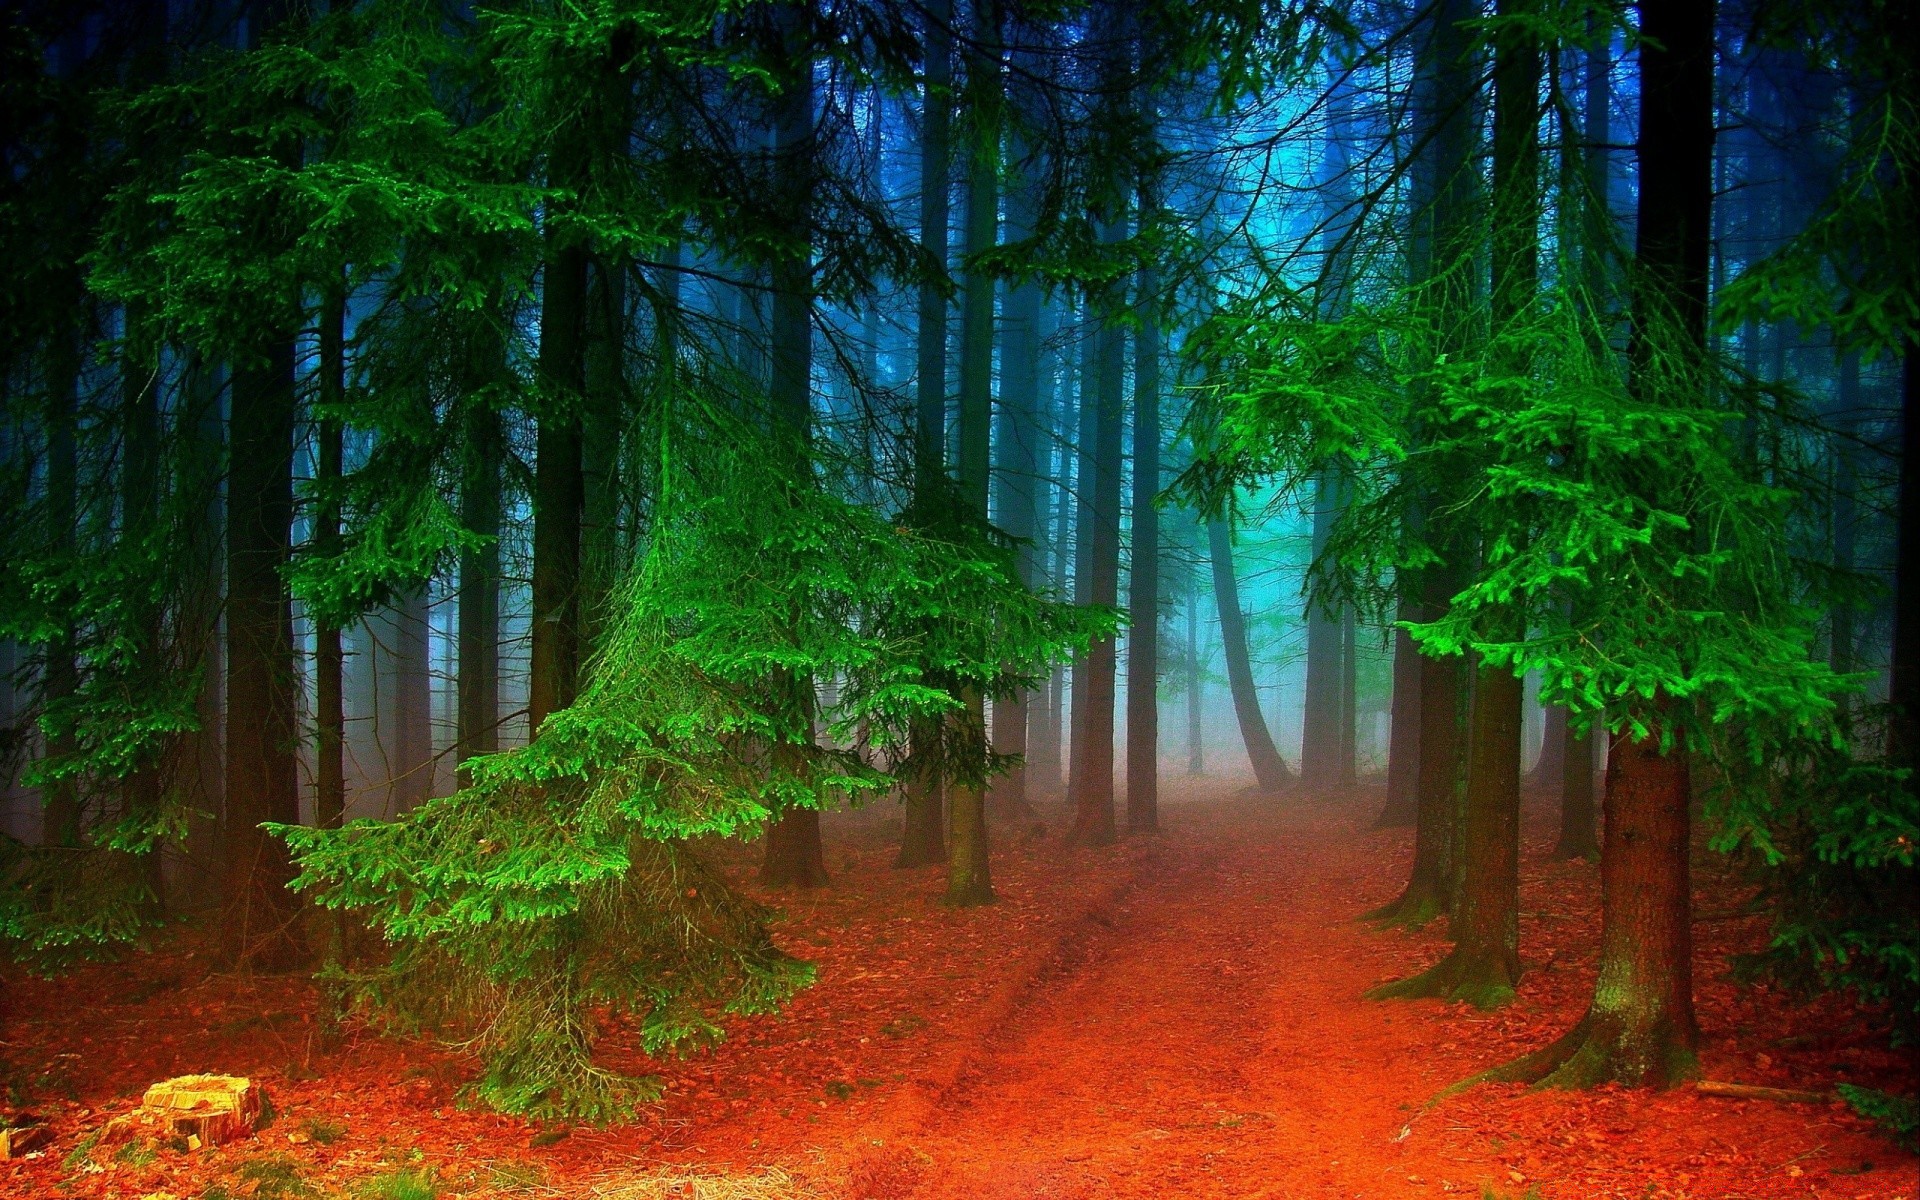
(958,597)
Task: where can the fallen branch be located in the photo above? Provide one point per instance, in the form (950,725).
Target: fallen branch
(1748,1091)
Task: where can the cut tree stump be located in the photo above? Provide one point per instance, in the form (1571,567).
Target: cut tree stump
(200,1110)
(19,1134)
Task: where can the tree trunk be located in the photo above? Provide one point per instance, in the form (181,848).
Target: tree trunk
(1018,445)
(558,484)
(61,821)
(1269,769)
(1143,589)
(1442,694)
(479,634)
(1320,724)
(969,879)
(1551,766)
(1403,734)
(330,713)
(1484,965)
(1903,683)
(1577,836)
(924,839)
(412,689)
(602,417)
(795,856)
(1640,1028)
(262,926)
(1093,808)
(1196,755)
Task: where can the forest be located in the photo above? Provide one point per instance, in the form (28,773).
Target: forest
(776,599)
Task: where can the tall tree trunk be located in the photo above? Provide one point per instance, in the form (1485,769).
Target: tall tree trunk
(61,821)
(1086,425)
(1018,446)
(923,840)
(1093,808)
(1578,838)
(1320,725)
(795,856)
(330,712)
(1551,765)
(1196,755)
(1903,683)
(602,416)
(411,757)
(478,697)
(1640,1028)
(1269,769)
(558,482)
(1403,735)
(1143,586)
(1483,967)
(262,926)
(969,879)
(1348,760)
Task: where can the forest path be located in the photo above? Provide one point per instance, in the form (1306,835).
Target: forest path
(1208,1041)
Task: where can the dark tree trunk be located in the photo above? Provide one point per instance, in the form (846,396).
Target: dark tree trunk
(1551,765)
(61,819)
(1442,695)
(1143,590)
(1577,815)
(1320,723)
(1349,757)
(924,839)
(558,485)
(412,755)
(969,878)
(795,856)
(602,417)
(1903,684)
(1093,807)
(330,713)
(1640,1029)
(479,634)
(1403,736)
(1086,421)
(1196,755)
(262,925)
(1269,769)
(1484,965)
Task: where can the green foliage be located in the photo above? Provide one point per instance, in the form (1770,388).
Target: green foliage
(1838,835)
(1898,1115)
(559,882)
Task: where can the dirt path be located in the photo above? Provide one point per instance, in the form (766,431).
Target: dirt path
(1212,1043)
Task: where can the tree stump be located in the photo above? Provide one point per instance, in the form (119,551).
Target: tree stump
(199,1110)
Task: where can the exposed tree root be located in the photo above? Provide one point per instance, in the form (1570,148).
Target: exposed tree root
(1749,1091)
(1602,1048)
(1463,976)
(1416,906)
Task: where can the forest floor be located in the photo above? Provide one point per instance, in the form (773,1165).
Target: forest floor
(1176,1016)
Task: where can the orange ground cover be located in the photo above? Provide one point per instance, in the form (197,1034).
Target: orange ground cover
(1172,1017)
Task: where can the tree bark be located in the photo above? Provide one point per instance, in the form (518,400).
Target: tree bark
(262,927)
(1403,735)
(1577,815)
(330,713)
(1143,588)
(795,856)
(479,634)
(1483,967)
(924,838)
(969,877)
(1320,724)
(1269,769)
